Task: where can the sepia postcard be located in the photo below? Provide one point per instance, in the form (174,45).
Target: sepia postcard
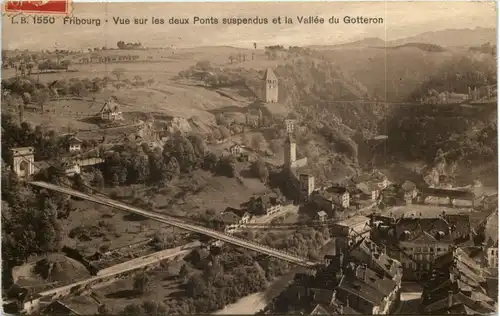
(307,158)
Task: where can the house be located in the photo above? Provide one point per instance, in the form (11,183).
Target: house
(290,126)
(419,241)
(456,285)
(409,191)
(333,196)
(369,190)
(111,111)
(235,150)
(74,144)
(350,230)
(355,287)
(377,259)
(322,216)
(263,205)
(234,216)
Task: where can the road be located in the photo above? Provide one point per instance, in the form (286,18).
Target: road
(279,254)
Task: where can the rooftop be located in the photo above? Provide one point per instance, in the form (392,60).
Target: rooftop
(449,229)
(449,193)
(491,230)
(269,75)
(336,190)
(408,186)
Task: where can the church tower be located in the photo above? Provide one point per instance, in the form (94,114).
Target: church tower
(290,151)
(271,86)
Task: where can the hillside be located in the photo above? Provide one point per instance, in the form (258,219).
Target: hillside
(467,137)
(451,37)
(444,38)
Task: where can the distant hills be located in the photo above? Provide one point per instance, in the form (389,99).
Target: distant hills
(443,38)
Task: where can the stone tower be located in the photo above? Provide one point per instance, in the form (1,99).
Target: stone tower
(290,151)
(23,161)
(271,86)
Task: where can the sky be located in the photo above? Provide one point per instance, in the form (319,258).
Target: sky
(401,19)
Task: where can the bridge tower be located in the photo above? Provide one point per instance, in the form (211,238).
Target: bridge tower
(23,161)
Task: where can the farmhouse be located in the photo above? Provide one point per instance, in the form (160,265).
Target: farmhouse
(74,144)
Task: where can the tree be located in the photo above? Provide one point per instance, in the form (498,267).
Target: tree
(26,98)
(118,72)
(154,308)
(196,286)
(142,283)
(224,132)
(41,98)
(173,169)
(137,78)
(103,310)
(157,169)
(97,179)
(184,272)
(210,161)
(216,134)
(260,170)
(204,65)
(65,64)
(276,145)
(132,309)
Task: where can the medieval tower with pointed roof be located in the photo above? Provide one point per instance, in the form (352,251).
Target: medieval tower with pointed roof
(271,86)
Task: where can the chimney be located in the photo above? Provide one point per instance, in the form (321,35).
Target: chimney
(450,298)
